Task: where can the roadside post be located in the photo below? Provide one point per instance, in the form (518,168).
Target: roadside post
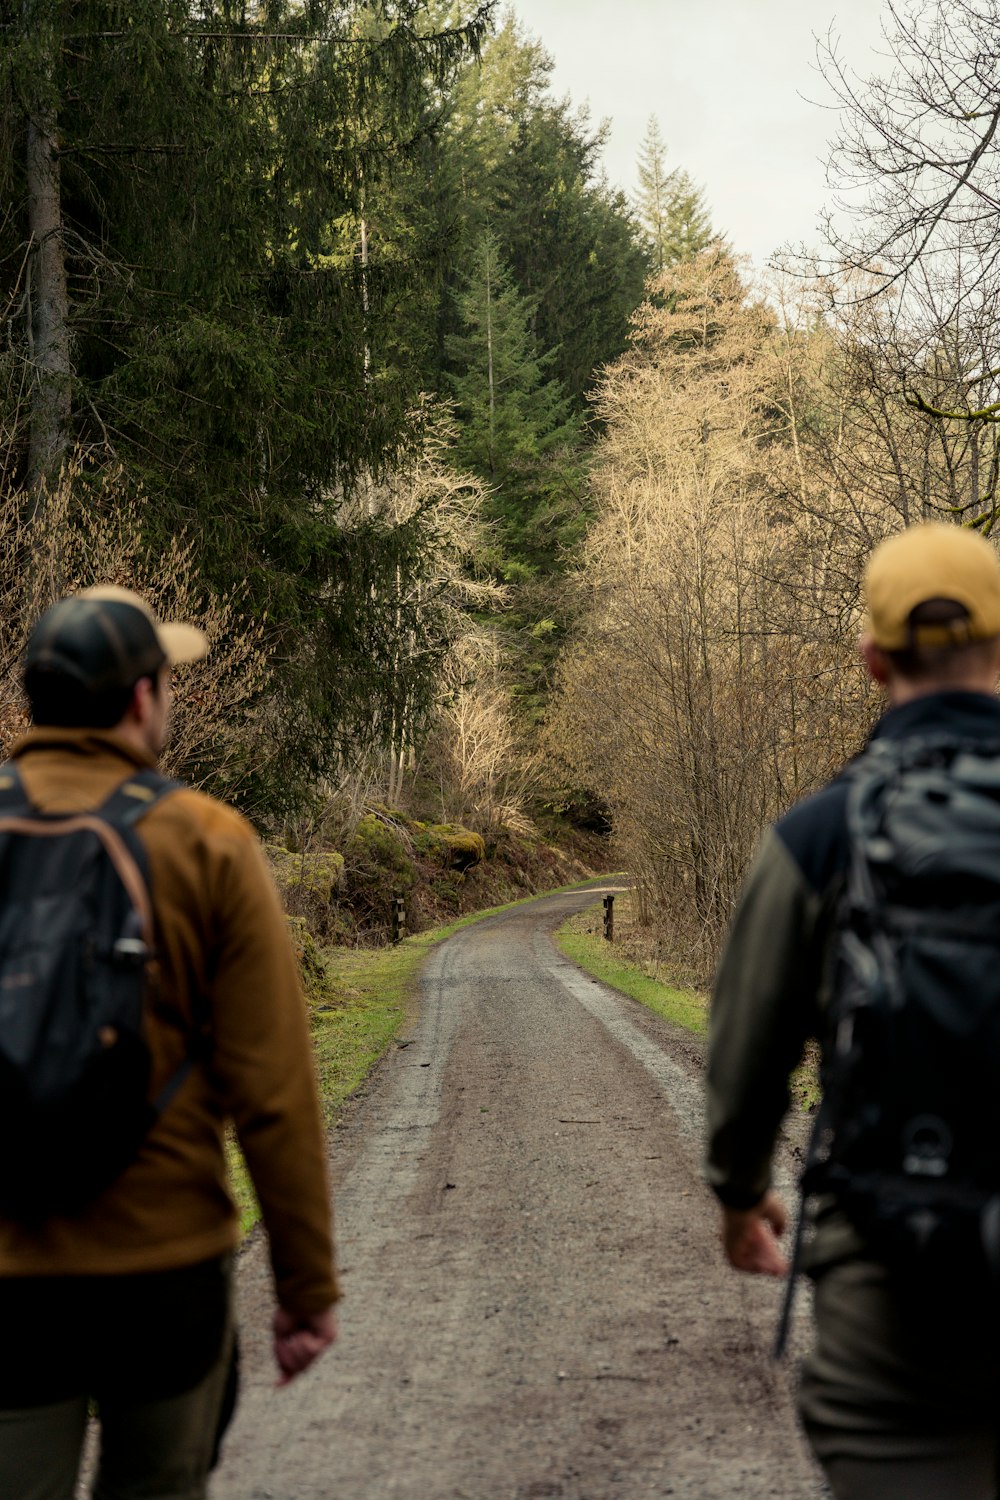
(398,919)
(609,917)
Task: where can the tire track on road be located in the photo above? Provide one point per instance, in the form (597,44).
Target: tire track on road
(535,1303)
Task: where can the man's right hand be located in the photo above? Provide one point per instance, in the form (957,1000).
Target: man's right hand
(298,1340)
(750,1236)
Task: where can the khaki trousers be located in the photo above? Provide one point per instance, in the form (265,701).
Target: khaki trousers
(900,1398)
(149,1450)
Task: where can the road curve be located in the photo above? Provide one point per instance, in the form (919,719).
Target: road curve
(535,1303)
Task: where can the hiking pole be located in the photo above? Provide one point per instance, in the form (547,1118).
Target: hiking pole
(805,1183)
(788,1299)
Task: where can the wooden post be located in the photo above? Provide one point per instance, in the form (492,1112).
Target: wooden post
(609,917)
(398,919)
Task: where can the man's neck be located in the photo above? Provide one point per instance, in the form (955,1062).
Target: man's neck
(900,690)
(136,736)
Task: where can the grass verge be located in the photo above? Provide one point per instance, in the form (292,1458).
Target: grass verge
(688,1008)
(356,1009)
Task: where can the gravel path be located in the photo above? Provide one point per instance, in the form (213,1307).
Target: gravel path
(535,1303)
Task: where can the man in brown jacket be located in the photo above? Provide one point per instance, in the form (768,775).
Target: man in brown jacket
(126,1303)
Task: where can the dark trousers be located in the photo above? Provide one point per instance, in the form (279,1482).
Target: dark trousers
(153,1354)
(900,1397)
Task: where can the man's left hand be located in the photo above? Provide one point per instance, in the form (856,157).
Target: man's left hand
(300,1340)
(750,1236)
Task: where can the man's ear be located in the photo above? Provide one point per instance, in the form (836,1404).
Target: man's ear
(874,659)
(996,661)
(139,703)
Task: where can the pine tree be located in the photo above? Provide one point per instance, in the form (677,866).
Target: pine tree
(529,169)
(651,203)
(517,430)
(571,242)
(512,412)
(687,229)
(670,207)
(188,172)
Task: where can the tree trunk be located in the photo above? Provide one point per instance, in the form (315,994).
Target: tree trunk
(489,357)
(48,311)
(364,288)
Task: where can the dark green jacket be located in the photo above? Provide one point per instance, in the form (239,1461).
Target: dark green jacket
(769,992)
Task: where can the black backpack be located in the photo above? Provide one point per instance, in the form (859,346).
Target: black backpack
(908,1139)
(76,959)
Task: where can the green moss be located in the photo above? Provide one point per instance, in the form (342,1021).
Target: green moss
(464,847)
(321,872)
(309,884)
(377,850)
(312,964)
(448,844)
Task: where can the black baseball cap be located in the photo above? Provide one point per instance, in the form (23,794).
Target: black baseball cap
(104,639)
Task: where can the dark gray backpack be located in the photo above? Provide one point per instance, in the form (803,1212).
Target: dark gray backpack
(909,1133)
(76,955)
(907,1140)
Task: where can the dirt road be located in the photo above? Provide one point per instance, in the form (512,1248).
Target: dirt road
(535,1304)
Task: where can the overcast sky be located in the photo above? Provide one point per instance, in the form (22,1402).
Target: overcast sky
(726,80)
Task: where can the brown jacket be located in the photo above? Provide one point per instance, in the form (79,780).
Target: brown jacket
(222,936)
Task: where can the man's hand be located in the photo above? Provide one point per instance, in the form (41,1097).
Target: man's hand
(750,1236)
(298,1340)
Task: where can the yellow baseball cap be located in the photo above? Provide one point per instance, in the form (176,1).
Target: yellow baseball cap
(932,561)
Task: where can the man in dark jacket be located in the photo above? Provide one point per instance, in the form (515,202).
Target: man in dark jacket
(126,1301)
(899,1396)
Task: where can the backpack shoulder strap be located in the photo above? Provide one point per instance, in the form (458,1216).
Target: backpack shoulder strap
(120,812)
(14,800)
(134,797)
(127,804)
(129,801)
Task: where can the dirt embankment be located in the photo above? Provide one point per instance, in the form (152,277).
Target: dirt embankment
(535,1303)
(431,873)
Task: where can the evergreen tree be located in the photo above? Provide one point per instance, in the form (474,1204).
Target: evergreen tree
(571,242)
(670,207)
(529,169)
(687,228)
(651,203)
(189,174)
(516,429)
(511,411)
